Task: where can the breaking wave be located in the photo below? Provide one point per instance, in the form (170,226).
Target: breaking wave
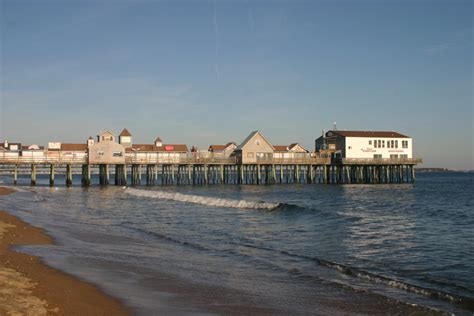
(466,302)
(204,200)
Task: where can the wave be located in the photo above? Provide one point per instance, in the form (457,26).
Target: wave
(291,207)
(465,302)
(164,237)
(204,200)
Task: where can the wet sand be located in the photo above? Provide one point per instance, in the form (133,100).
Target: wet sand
(29,287)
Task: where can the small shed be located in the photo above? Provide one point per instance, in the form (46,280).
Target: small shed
(125,138)
(223,151)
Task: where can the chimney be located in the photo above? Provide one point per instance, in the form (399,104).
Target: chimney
(90,142)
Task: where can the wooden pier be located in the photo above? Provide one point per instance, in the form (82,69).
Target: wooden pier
(194,170)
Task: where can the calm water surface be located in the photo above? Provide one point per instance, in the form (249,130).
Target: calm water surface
(281,249)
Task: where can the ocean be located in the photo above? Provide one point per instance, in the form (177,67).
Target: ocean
(270,249)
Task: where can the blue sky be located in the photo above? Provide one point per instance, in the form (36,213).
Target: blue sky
(202,72)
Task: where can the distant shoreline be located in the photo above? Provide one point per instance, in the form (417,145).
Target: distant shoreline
(428,170)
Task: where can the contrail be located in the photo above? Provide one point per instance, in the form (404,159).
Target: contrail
(250,17)
(216,37)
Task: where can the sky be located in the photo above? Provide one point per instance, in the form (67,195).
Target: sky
(210,72)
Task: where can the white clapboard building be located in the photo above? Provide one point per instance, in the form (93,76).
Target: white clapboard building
(365,144)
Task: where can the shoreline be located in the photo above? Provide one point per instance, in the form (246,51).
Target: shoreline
(28,286)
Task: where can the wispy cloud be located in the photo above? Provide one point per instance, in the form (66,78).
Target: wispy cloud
(216,42)
(461,37)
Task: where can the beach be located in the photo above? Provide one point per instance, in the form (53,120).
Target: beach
(29,287)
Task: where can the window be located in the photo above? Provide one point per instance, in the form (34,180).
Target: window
(392,143)
(249,155)
(403,156)
(404,144)
(370,142)
(101,153)
(117,154)
(377,156)
(396,144)
(388,144)
(394,156)
(380,144)
(350,147)
(257,142)
(383,144)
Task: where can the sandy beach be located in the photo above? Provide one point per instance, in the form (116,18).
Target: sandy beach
(29,287)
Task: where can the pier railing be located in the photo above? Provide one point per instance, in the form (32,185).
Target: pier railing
(378,161)
(6,158)
(9,159)
(302,161)
(197,160)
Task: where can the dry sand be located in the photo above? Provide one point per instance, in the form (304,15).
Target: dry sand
(29,287)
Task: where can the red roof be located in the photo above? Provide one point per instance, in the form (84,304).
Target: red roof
(143,148)
(220,147)
(280,148)
(381,134)
(153,148)
(125,132)
(216,147)
(74,147)
(175,147)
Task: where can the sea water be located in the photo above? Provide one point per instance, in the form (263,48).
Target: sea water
(275,249)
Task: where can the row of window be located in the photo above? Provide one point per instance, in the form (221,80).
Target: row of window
(393,156)
(259,155)
(380,143)
(114,154)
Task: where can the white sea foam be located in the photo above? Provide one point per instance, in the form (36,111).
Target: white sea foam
(204,200)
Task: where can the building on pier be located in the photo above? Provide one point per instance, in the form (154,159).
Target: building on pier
(74,150)
(365,145)
(156,152)
(33,151)
(255,149)
(170,153)
(224,151)
(106,150)
(65,152)
(10,150)
(292,151)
